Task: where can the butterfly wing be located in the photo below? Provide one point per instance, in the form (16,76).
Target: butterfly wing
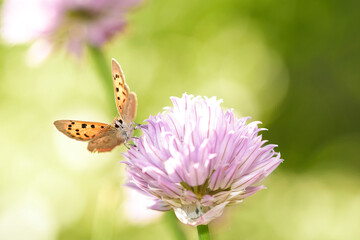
(79,130)
(105,140)
(130,108)
(121,90)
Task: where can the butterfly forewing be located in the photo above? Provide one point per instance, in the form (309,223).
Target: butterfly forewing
(79,130)
(105,140)
(121,90)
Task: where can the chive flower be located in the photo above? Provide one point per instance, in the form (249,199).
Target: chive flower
(197,159)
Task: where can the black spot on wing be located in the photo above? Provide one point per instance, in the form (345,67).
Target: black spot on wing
(83,125)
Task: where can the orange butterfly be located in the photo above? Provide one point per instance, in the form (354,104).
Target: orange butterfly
(104,137)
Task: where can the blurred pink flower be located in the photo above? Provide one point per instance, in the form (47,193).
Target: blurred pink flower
(73,23)
(196,159)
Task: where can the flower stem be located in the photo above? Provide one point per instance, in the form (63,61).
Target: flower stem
(173,223)
(203,232)
(103,66)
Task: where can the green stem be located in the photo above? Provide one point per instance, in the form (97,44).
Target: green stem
(173,223)
(103,66)
(203,232)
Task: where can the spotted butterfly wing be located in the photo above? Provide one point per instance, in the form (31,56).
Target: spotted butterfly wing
(121,90)
(125,100)
(79,130)
(106,140)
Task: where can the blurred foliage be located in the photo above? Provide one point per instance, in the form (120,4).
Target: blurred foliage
(294,65)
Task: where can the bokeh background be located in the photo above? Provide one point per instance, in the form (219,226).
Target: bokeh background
(294,65)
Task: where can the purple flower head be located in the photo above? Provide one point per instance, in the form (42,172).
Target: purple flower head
(196,159)
(70,22)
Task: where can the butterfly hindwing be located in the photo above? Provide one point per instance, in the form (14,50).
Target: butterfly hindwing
(79,130)
(130,108)
(105,140)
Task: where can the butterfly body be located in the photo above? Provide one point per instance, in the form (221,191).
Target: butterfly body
(104,137)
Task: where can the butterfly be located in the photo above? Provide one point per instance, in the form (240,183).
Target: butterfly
(104,137)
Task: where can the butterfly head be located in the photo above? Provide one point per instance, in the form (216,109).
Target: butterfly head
(125,129)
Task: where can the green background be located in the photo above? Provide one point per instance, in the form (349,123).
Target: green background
(294,65)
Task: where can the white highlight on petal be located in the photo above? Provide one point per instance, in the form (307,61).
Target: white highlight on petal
(24,20)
